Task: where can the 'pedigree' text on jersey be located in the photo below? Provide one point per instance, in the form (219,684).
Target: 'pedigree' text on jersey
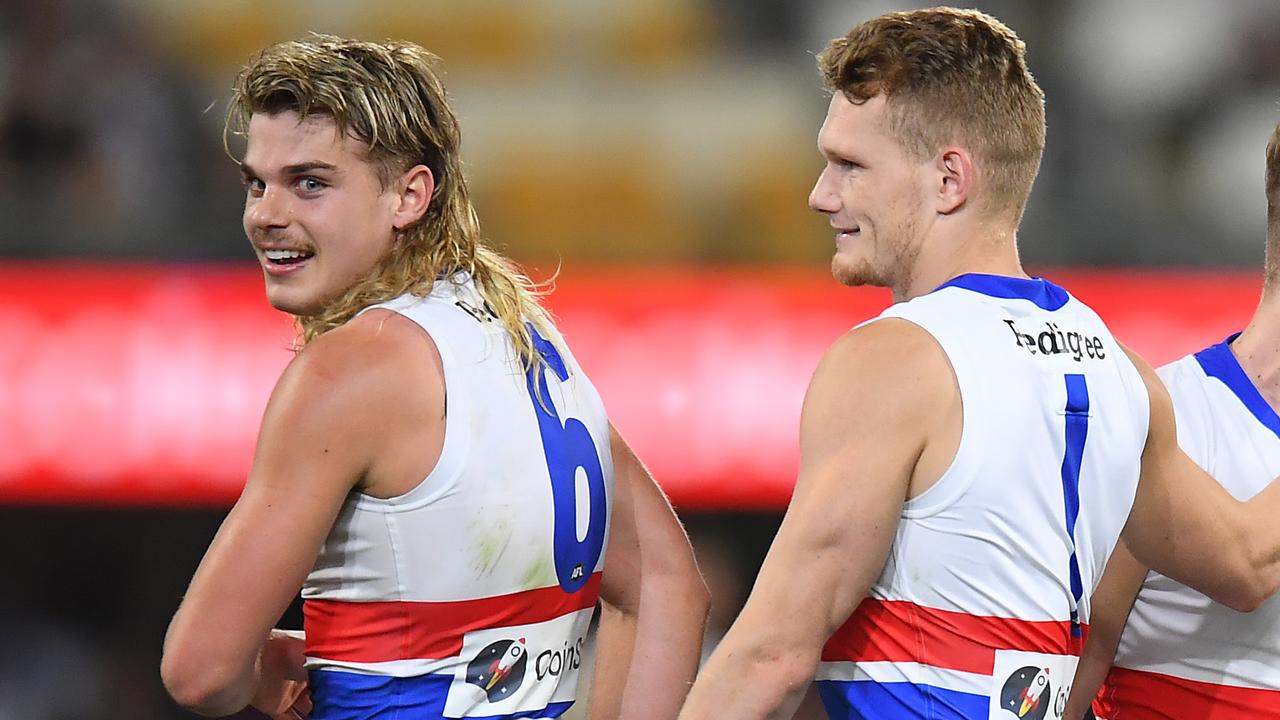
(1054,341)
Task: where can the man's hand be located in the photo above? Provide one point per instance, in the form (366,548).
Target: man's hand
(282,680)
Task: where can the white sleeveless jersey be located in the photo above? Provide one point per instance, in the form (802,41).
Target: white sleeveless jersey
(980,609)
(471,594)
(1181,654)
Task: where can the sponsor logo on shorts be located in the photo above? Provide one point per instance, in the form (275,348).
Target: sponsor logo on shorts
(551,663)
(1030,685)
(518,668)
(1027,693)
(499,668)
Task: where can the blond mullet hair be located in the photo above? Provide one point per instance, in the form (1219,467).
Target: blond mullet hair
(949,75)
(388,96)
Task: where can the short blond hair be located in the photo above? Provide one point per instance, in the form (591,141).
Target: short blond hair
(390,97)
(1271,264)
(1273,177)
(949,75)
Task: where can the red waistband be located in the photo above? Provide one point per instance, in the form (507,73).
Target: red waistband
(900,631)
(1141,695)
(383,631)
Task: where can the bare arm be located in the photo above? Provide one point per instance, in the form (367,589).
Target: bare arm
(875,400)
(655,602)
(1109,610)
(1184,524)
(325,429)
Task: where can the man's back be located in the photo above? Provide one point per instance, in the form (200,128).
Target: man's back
(919,195)
(984,580)
(1181,654)
(476,440)
(494,623)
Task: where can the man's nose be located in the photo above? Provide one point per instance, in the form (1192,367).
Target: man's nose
(824,198)
(269,210)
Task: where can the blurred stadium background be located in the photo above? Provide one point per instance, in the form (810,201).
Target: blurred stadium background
(657,152)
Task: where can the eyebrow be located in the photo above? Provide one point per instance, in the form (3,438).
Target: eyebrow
(825,150)
(295,169)
(828,153)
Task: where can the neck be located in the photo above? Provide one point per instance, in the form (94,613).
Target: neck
(1258,348)
(987,248)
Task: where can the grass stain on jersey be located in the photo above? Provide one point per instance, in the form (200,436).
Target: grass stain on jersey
(540,573)
(489,544)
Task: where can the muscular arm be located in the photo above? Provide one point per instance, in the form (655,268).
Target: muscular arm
(655,602)
(872,406)
(1109,610)
(1184,524)
(326,429)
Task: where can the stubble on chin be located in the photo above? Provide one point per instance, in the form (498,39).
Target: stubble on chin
(893,272)
(856,273)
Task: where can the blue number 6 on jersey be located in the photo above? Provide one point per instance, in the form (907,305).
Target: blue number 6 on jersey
(568,446)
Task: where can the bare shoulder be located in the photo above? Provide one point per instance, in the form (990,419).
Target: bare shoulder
(1147,372)
(1161,418)
(884,390)
(889,359)
(356,375)
(374,350)
(362,404)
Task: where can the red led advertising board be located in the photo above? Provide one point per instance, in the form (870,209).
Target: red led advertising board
(144,385)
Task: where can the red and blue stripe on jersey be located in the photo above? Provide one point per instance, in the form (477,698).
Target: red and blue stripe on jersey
(431,633)
(896,659)
(1143,695)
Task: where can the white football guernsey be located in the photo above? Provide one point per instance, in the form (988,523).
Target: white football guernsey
(1181,654)
(471,594)
(981,607)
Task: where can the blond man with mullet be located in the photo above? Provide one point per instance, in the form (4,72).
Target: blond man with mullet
(434,470)
(969,459)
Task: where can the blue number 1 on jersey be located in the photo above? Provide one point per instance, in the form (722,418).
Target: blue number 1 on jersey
(1077,430)
(569,448)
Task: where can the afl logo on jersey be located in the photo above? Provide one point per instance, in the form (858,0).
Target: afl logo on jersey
(499,668)
(1026,693)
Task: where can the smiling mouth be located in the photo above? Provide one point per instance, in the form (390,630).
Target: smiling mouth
(284,258)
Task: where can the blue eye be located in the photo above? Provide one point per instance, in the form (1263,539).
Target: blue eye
(310,184)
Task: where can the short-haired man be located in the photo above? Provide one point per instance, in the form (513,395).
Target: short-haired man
(434,470)
(1182,655)
(969,458)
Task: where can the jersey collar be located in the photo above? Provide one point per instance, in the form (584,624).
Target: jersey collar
(1043,293)
(1219,362)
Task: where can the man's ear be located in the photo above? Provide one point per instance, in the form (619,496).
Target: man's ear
(415,188)
(956,175)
